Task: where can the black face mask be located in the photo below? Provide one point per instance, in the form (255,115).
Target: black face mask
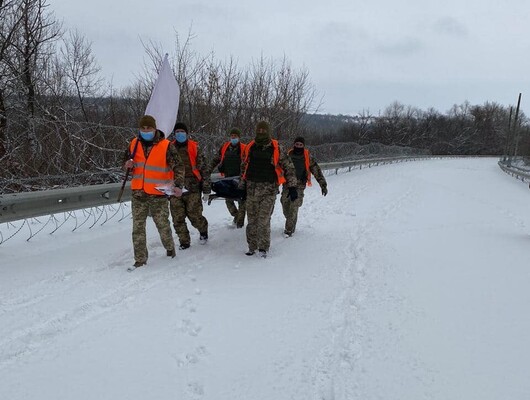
(298,150)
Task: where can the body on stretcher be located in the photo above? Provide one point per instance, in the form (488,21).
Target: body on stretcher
(227,189)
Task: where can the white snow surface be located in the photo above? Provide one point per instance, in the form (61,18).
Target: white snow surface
(408,281)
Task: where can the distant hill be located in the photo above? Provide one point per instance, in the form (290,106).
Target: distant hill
(327,122)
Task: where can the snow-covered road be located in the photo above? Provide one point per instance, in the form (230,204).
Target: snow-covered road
(408,281)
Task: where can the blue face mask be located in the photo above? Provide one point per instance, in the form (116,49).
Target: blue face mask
(147,136)
(234,141)
(181,137)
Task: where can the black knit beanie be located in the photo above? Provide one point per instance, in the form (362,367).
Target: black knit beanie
(263,133)
(300,139)
(181,125)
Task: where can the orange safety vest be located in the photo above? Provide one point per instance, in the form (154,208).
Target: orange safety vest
(275,161)
(153,171)
(192,152)
(225,147)
(308,171)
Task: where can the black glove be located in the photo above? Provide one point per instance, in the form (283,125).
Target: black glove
(293,193)
(324,190)
(243,195)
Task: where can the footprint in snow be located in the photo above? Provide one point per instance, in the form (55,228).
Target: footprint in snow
(189,305)
(190,328)
(195,389)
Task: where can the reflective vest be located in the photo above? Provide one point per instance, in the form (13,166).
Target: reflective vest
(153,171)
(225,147)
(192,153)
(275,161)
(307,170)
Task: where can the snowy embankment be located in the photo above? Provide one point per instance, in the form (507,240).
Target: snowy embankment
(408,281)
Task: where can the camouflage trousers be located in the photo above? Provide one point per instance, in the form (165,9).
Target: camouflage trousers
(143,205)
(290,208)
(237,213)
(260,205)
(188,205)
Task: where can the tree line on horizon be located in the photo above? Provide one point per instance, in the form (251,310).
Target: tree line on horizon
(61,123)
(466,129)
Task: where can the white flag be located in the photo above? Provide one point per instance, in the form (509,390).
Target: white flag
(163,105)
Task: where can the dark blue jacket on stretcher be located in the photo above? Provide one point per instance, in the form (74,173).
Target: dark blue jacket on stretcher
(228,188)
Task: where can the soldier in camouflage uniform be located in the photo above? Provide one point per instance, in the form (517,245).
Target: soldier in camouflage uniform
(304,165)
(196,180)
(154,162)
(228,162)
(264,168)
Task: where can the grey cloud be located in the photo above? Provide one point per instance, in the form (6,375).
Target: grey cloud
(344,31)
(450,26)
(199,10)
(340,39)
(404,47)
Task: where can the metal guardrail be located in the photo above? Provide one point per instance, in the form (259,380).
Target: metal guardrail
(19,206)
(369,161)
(516,172)
(35,204)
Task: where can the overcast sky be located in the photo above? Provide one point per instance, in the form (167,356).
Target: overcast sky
(360,55)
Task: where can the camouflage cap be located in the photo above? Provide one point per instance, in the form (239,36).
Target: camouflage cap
(147,120)
(235,131)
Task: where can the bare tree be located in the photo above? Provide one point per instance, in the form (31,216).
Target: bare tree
(216,95)
(31,45)
(81,68)
(9,27)
(38,28)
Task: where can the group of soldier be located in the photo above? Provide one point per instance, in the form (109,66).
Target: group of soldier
(178,170)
